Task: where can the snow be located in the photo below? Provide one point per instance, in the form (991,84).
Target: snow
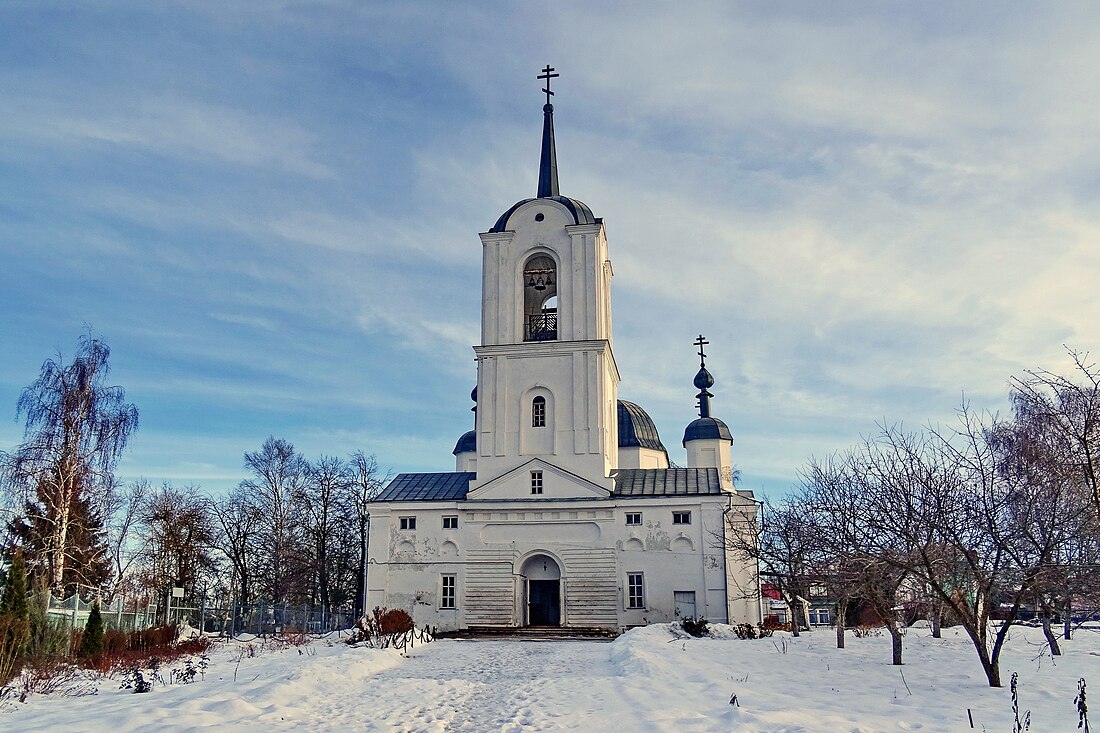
(649,679)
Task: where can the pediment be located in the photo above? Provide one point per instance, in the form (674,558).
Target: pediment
(557,484)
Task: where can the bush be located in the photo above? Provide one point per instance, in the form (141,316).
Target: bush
(137,649)
(91,641)
(745,631)
(49,638)
(394,621)
(293,637)
(773,624)
(381,622)
(697,627)
(863,631)
(15,624)
(115,641)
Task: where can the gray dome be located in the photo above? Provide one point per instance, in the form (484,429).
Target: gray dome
(707,428)
(580,211)
(636,428)
(466,444)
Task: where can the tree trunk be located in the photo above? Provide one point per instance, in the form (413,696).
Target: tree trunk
(895,643)
(1067,619)
(793,604)
(360,598)
(992,669)
(61,536)
(936,619)
(841,615)
(990,666)
(1052,638)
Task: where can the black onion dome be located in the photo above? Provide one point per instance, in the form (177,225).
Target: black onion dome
(704,379)
(466,444)
(473,394)
(580,211)
(707,428)
(636,428)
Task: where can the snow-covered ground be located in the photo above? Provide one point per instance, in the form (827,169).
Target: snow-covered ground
(647,680)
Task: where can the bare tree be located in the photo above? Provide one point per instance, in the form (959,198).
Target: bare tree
(276,489)
(1069,411)
(328,481)
(938,509)
(238,524)
(851,561)
(367,481)
(125,512)
(178,545)
(782,547)
(76,427)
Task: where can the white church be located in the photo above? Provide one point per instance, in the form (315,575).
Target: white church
(563,509)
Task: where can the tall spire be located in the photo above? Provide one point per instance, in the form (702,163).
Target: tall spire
(548,164)
(703,380)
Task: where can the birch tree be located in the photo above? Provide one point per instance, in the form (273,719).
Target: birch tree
(76,427)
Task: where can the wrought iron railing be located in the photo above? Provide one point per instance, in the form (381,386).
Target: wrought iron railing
(541,326)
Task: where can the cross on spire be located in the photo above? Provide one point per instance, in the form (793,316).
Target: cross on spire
(701,342)
(547,74)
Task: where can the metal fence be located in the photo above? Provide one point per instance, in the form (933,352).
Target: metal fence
(132,614)
(265,618)
(125,614)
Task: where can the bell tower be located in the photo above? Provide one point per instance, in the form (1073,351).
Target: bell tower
(547,381)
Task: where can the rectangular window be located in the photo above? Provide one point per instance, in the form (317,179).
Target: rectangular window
(408,522)
(633,517)
(635,586)
(681,517)
(450,522)
(538,412)
(447,592)
(685,603)
(536,482)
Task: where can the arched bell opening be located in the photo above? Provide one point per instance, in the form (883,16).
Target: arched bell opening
(542,580)
(540,299)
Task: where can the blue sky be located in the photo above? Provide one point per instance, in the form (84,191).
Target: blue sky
(270,210)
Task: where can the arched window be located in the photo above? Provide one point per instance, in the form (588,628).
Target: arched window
(540,302)
(538,412)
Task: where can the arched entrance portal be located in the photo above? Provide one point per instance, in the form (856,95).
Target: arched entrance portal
(543,578)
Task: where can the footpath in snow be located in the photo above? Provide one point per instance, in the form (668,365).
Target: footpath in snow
(647,680)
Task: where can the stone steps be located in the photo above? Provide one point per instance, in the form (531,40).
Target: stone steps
(556,633)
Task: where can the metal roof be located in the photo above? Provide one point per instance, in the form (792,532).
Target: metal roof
(629,482)
(579,210)
(427,487)
(707,428)
(666,481)
(636,428)
(466,444)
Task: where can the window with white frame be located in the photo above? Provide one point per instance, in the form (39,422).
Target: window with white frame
(408,522)
(681,517)
(633,518)
(538,412)
(536,482)
(635,590)
(447,594)
(450,522)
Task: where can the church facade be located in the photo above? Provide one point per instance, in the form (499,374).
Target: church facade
(563,509)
